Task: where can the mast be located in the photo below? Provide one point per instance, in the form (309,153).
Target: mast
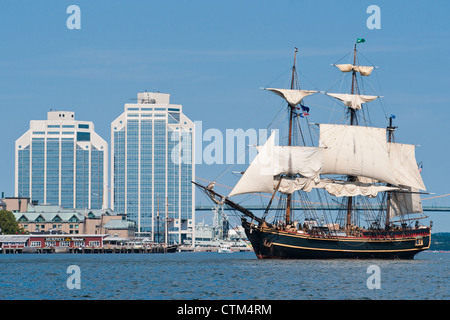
(291,107)
(157,219)
(166,219)
(291,116)
(352,122)
(391,130)
(353,111)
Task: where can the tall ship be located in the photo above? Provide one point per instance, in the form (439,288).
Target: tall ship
(335,191)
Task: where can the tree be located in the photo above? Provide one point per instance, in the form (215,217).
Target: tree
(8,223)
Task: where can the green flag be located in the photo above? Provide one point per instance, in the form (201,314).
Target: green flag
(360,40)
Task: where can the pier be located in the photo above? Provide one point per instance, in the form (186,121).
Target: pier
(82,250)
(115,249)
(98,244)
(50,243)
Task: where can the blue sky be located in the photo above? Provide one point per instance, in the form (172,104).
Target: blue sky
(214,56)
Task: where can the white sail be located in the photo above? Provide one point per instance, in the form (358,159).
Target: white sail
(273,161)
(363,70)
(353,188)
(290,185)
(403,162)
(353,101)
(405,203)
(356,151)
(335,188)
(306,161)
(259,175)
(343,150)
(366,180)
(293,97)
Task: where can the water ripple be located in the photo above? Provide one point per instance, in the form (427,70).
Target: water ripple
(212,276)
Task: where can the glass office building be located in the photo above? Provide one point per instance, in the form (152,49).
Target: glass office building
(152,145)
(61,161)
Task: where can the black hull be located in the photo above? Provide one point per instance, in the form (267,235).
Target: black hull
(270,243)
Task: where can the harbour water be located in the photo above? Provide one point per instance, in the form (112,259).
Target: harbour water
(213,276)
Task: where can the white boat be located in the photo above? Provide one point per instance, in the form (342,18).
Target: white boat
(224,248)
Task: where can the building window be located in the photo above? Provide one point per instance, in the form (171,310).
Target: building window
(50,243)
(83,136)
(83,126)
(36,243)
(94,243)
(74,219)
(39,219)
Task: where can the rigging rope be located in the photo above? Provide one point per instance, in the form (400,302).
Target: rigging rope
(444,195)
(266,196)
(255,194)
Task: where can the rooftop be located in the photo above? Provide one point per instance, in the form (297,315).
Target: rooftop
(61,115)
(49,213)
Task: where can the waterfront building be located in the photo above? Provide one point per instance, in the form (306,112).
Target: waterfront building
(55,219)
(62,161)
(56,242)
(152,144)
(61,241)
(16,204)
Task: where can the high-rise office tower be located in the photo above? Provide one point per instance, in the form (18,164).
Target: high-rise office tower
(61,161)
(152,144)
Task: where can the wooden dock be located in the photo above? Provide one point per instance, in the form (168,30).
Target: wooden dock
(94,250)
